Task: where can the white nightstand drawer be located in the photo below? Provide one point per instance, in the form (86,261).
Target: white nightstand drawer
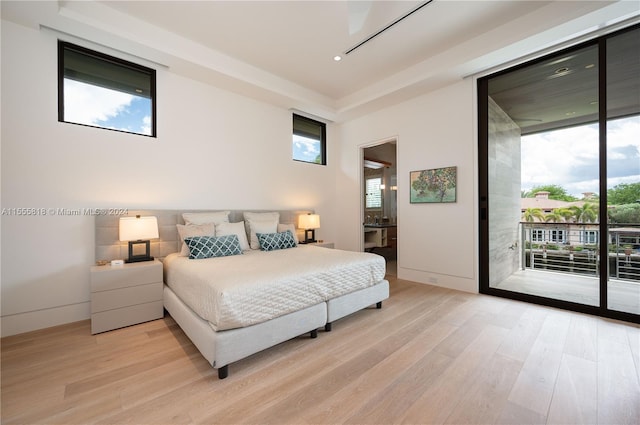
(104,278)
(124,297)
(121,317)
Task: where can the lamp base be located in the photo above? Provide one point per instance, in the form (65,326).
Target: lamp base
(138,259)
(309,236)
(139,251)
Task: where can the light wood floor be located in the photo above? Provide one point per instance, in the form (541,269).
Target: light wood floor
(430,355)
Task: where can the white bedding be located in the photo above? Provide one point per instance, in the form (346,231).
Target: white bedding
(242,290)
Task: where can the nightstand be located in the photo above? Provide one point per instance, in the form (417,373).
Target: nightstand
(323,244)
(125,295)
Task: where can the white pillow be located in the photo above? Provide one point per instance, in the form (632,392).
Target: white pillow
(261,227)
(292,227)
(224,229)
(216,217)
(254,217)
(186,231)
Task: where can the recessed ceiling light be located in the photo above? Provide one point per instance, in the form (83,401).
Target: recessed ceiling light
(562,70)
(570,113)
(591,65)
(593,102)
(337,58)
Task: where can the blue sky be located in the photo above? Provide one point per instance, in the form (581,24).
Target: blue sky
(92,105)
(305,149)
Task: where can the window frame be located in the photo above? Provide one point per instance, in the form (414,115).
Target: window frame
(538,235)
(367,193)
(557,236)
(65,45)
(323,137)
(589,237)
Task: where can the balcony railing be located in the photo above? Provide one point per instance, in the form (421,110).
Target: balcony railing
(574,248)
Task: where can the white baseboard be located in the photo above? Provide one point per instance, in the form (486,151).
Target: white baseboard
(35,320)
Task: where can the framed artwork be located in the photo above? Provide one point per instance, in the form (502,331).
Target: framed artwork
(435,185)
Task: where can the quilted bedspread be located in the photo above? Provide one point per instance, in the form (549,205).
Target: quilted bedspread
(243,290)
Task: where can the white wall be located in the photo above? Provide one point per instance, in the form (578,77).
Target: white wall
(436,242)
(214,149)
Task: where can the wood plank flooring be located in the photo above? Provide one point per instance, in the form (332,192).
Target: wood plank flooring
(429,356)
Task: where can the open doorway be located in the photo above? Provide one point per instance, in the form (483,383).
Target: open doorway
(379,206)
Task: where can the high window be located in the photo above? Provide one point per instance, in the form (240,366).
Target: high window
(102,91)
(309,140)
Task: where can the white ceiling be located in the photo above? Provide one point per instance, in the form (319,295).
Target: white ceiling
(282,51)
(297,40)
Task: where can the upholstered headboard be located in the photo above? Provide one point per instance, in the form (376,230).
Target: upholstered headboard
(108,247)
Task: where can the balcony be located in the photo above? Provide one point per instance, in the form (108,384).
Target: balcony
(562,261)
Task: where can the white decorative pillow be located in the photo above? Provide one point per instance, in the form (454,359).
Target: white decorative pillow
(253,217)
(291,227)
(224,229)
(185,231)
(216,217)
(261,227)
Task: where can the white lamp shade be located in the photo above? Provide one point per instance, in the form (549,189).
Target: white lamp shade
(309,221)
(138,228)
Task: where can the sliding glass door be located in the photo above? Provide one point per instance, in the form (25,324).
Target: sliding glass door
(623,171)
(559,161)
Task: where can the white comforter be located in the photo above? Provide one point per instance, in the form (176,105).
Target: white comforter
(242,290)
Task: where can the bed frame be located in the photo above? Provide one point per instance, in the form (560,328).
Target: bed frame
(221,348)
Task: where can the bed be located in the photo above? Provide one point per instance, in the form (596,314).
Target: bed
(233,306)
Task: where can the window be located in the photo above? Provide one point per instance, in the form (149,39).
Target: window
(102,91)
(309,140)
(374,193)
(557,236)
(537,235)
(590,237)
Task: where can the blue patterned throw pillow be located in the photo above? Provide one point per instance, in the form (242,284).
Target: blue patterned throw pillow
(210,246)
(273,241)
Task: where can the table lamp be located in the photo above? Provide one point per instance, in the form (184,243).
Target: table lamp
(309,222)
(137,231)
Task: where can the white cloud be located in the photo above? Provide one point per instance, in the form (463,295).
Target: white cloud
(308,148)
(146,125)
(569,157)
(87,104)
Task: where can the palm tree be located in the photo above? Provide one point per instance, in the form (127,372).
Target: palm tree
(566,213)
(530,214)
(554,216)
(587,213)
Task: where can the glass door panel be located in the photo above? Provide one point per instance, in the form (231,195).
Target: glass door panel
(543,178)
(623,171)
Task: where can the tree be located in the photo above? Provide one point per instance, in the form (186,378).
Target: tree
(625,214)
(587,213)
(530,214)
(554,217)
(624,193)
(555,192)
(559,215)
